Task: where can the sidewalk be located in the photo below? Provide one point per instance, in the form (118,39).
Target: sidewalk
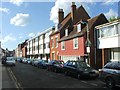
(5,78)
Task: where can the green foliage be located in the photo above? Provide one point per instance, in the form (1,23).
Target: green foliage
(113,18)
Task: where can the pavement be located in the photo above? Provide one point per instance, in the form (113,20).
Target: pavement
(6,80)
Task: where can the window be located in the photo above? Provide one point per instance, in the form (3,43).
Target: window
(63,45)
(108,31)
(53,56)
(47,45)
(79,27)
(56,42)
(52,43)
(36,40)
(75,43)
(46,35)
(66,32)
(40,46)
(115,54)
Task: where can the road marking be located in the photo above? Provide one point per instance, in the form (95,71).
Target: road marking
(17,84)
(84,81)
(93,84)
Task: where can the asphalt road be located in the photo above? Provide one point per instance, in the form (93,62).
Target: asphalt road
(27,76)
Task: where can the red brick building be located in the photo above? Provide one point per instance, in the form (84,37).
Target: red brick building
(73,34)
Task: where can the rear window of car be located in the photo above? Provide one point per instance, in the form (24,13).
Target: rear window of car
(83,65)
(112,65)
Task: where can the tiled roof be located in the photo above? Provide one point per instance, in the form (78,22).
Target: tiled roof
(81,14)
(74,33)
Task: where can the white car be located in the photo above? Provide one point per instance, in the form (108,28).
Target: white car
(10,61)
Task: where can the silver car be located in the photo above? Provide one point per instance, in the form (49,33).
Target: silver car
(10,61)
(110,74)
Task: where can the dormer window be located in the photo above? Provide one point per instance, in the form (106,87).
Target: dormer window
(66,32)
(78,27)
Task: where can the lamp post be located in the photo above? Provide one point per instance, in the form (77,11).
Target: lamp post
(87,43)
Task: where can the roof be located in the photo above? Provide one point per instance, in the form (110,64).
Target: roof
(74,33)
(81,14)
(63,23)
(107,24)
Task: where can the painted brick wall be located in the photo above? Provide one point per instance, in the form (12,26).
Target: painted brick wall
(69,50)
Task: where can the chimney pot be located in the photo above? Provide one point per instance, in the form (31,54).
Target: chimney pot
(73,12)
(60,15)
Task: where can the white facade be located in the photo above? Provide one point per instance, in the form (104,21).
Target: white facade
(108,36)
(47,42)
(38,46)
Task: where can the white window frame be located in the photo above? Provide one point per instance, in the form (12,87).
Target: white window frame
(66,32)
(75,41)
(56,41)
(79,28)
(52,43)
(63,45)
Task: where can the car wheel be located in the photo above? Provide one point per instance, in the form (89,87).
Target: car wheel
(110,82)
(55,70)
(47,68)
(66,73)
(78,76)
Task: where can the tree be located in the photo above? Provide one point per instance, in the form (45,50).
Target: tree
(113,18)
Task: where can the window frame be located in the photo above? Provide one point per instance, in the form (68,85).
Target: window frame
(75,43)
(63,45)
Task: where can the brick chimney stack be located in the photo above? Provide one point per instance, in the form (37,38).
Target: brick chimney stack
(60,15)
(73,12)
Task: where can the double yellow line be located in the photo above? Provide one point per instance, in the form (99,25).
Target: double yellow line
(17,84)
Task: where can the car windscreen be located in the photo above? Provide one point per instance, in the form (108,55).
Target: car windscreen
(83,65)
(60,62)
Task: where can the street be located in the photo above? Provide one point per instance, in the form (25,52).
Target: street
(27,76)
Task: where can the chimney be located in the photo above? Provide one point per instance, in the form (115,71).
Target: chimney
(73,12)
(60,15)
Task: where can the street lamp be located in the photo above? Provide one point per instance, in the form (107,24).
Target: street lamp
(87,43)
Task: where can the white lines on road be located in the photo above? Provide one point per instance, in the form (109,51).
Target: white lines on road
(17,84)
(93,84)
(84,81)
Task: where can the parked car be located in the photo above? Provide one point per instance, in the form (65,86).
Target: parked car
(4,59)
(24,60)
(80,69)
(55,65)
(29,61)
(42,64)
(10,61)
(19,59)
(110,74)
(35,62)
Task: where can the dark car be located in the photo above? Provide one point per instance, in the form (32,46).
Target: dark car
(55,65)
(42,64)
(110,74)
(4,58)
(80,69)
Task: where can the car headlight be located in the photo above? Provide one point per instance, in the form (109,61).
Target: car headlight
(95,71)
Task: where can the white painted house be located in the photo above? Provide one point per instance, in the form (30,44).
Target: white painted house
(38,46)
(108,39)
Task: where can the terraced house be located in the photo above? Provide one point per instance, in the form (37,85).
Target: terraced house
(38,46)
(72,34)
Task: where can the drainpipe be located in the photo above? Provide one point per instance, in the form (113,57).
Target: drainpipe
(95,38)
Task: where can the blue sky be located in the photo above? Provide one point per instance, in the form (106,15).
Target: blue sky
(20,21)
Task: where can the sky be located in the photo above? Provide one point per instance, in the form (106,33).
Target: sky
(21,20)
